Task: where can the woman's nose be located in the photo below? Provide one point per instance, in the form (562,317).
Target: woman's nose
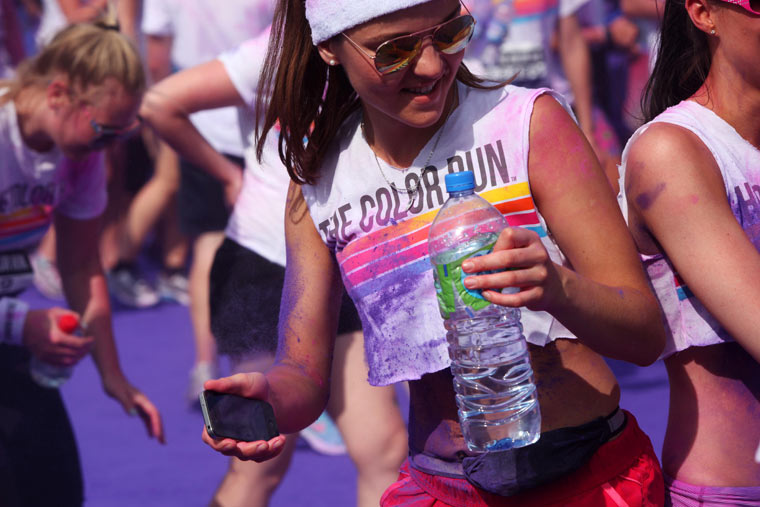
(429,62)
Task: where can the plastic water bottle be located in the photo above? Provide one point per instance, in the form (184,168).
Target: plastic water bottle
(493,379)
(50,375)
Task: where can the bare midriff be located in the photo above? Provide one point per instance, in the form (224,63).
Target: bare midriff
(714,419)
(574,385)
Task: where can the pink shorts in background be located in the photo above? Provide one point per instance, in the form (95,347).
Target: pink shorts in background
(682,494)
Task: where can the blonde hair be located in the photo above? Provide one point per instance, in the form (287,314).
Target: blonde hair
(88,54)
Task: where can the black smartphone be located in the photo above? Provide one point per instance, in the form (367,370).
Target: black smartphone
(231,416)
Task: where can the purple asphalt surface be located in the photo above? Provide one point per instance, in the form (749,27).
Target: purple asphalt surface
(123,468)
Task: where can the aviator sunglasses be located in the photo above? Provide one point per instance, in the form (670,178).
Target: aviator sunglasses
(449,37)
(747,4)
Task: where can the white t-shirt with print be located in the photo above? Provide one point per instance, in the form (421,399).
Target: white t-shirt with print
(257,221)
(379,238)
(515,36)
(201,30)
(34,184)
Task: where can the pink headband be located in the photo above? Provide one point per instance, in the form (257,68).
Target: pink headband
(745,4)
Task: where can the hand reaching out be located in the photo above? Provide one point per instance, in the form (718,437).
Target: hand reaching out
(249,385)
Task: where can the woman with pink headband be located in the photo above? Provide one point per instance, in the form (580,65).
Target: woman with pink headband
(691,177)
(379,92)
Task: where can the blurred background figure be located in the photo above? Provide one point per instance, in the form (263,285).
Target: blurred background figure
(247,278)
(179,35)
(537,42)
(55,117)
(11,39)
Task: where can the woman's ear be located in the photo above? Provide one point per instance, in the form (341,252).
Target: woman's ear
(701,14)
(58,93)
(327,54)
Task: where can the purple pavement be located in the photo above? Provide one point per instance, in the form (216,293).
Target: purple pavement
(123,468)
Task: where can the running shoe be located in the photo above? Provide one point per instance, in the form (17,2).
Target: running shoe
(323,436)
(200,373)
(129,288)
(47,280)
(172,286)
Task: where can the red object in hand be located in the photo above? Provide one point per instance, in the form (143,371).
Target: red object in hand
(68,323)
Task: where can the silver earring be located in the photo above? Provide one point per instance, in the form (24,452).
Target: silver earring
(712,32)
(333,63)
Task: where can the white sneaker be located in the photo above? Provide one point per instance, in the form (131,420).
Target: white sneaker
(173,287)
(200,373)
(130,289)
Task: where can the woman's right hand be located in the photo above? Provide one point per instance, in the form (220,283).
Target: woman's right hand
(249,385)
(47,342)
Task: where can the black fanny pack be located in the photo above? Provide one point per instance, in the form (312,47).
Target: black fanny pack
(557,453)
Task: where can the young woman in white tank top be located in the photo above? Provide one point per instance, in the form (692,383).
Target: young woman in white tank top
(691,180)
(387,127)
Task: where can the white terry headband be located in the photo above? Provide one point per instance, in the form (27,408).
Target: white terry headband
(328,18)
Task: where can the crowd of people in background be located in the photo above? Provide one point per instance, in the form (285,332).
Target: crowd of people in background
(207,156)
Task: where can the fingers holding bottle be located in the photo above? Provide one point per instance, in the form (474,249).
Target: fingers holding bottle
(47,341)
(518,261)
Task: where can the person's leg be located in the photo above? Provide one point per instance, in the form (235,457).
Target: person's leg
(369,419)
(40,463)
(247,483)
(203,215)
(204,249)
(153,199)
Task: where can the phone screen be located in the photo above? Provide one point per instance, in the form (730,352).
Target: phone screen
(232,416)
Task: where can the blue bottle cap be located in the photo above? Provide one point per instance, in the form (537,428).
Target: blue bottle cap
(457,182)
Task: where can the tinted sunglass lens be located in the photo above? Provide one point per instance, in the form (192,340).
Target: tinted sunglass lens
(454,36)
(396,54)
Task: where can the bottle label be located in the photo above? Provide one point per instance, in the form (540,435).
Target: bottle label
(449,281)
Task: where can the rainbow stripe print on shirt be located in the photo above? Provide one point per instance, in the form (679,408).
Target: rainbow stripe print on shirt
(24,228)
(399,251)
(682,289)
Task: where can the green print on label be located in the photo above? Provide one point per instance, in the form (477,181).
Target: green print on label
(449,282)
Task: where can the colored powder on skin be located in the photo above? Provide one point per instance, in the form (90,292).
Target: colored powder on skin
(645,199)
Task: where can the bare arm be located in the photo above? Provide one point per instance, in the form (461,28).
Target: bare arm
(604,299)
(298,384)
(675,189)
(651,9)
(576,62)
(85,287)
(78,12)
(129,16)
(13,39)
(167,107)
(158,49)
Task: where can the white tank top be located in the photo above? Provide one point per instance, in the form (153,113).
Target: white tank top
(381,247)
(689,324)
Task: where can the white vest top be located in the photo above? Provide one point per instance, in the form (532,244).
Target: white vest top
(689,323)
(381,247)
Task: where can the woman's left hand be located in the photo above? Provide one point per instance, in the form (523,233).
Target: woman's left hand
(135,402)
(520,260)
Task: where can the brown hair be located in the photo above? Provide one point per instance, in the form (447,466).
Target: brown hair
(683,61)
(88,53)
(309,99)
